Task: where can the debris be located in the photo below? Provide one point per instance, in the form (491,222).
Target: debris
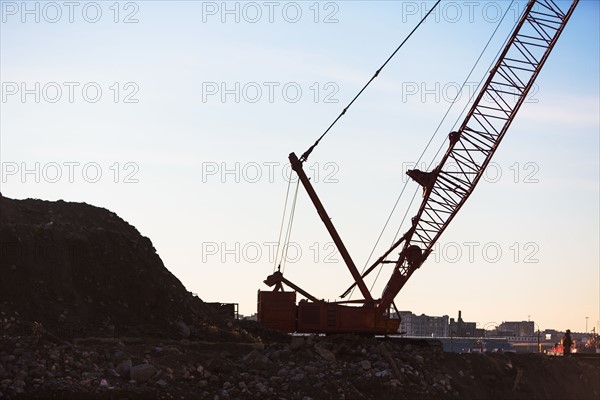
(142,372)
(325,353)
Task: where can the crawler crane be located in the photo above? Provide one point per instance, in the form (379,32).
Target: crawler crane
(445,190)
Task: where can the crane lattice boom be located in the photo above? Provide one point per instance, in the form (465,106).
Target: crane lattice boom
(471,148)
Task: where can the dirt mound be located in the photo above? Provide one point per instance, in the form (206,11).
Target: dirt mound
(80,270)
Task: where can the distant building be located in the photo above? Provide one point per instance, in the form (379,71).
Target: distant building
(423,325)
(553,335)
(516,328)
(461,328)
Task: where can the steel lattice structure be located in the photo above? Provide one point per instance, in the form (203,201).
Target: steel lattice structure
(471,148)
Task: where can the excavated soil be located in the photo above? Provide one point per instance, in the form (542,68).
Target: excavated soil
(81,270)
(89,311)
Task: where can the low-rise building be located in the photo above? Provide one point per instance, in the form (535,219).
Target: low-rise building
(423,325)
(517,328)
(461,328)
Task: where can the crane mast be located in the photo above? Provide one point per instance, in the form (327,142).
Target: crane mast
(445,188)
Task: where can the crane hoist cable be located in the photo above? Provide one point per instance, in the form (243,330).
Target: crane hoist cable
(277,262)
(442,145)
(286,243)
(287,194)
(304,156)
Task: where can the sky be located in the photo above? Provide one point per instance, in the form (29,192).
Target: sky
(179,116)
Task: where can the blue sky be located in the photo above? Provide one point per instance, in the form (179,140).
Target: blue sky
(197,113)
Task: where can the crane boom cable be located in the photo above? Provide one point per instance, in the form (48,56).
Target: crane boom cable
(304,156)
(458,96)
(483,78)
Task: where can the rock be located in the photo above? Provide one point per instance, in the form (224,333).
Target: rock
(119,356)
(254,357)
(419,359)
(183,329)
(297,378)
(85,382)
(325,353)
(383,374)
(162,383)
(103,384)
(261,387)
(365,364)
(297,343)
(311,369)
(8,358)
(38,372)
(124,368)
(142,373)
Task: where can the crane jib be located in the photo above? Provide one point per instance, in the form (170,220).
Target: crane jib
(470,149)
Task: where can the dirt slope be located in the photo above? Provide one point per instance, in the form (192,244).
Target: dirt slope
(81,270)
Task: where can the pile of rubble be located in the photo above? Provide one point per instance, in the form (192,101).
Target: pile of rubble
(302,368)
